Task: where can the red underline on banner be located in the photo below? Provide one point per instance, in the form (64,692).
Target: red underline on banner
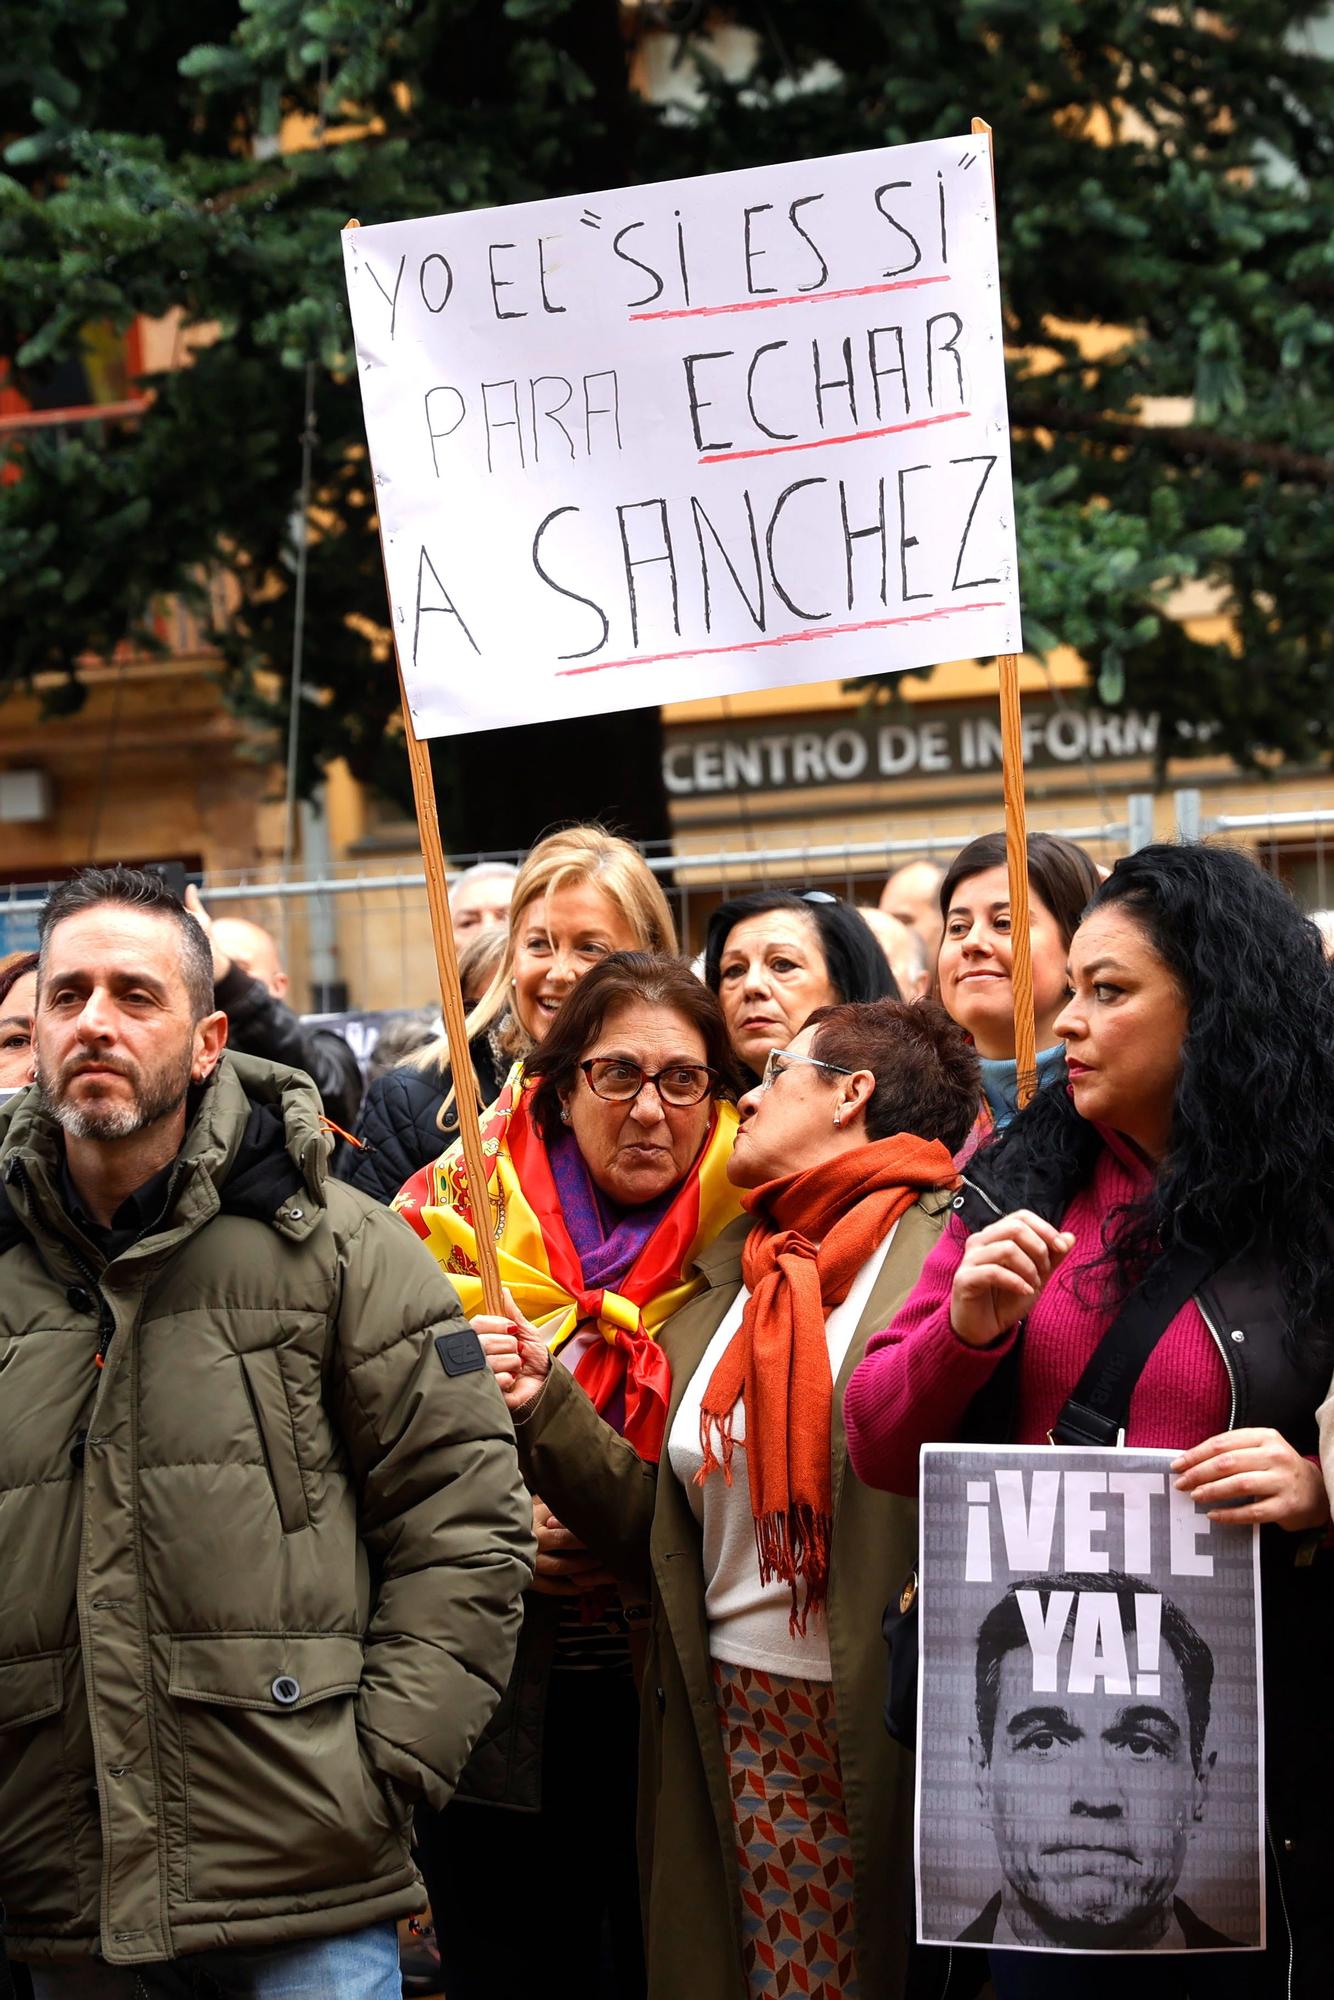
(800,299)
(785,638)
(853,437)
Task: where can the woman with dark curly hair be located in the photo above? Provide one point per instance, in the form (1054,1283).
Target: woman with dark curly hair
(1192,1153)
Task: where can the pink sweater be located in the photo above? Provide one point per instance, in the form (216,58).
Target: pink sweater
(917,1378)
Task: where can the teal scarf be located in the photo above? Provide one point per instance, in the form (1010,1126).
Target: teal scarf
(1000,1086)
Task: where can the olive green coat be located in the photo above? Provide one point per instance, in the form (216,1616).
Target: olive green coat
(260,1574)
(638,1518)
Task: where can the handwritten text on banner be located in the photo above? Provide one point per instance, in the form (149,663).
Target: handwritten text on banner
(690,438)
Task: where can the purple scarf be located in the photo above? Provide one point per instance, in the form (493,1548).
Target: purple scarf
(608,1239)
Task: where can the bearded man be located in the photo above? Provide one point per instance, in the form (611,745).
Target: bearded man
(262,1534)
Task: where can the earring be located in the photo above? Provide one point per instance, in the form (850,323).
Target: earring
(838,1118)
(565,1114)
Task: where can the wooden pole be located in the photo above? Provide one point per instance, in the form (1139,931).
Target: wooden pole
(1016,856)
(451,987)
(1016,844)
(451,1003)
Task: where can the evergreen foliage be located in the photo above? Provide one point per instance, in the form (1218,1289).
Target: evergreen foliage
(1165,173)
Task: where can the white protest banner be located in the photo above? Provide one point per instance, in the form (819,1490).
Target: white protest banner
(690,438)
(1090,1753)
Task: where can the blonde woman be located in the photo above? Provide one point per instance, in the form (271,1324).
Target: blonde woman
(581,894)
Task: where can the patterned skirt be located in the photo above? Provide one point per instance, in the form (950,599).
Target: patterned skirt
(793,1849)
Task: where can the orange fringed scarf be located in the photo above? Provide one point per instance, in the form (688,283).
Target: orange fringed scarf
(813,1233)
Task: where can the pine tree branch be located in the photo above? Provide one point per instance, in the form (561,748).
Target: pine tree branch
(1183,441)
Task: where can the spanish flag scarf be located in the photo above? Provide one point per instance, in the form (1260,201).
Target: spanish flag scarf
(813,1233)
(541,1267)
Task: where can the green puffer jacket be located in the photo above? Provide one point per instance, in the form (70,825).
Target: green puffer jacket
(260,1575)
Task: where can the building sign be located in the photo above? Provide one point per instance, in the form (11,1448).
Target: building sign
(851,749)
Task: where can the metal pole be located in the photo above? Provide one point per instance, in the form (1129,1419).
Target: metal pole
(1139,815)
(308,440)
(299,621)
(1186,805)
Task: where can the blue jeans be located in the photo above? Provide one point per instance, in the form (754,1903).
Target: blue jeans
(361,1966)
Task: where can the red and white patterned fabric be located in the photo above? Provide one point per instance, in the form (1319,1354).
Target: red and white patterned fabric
(793,1849)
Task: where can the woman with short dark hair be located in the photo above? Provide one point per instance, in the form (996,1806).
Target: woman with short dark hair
(607,1182)
(773,956)
(765,1565)
(1191,1150)
(973,967)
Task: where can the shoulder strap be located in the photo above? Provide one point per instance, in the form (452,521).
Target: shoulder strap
(1098,1407)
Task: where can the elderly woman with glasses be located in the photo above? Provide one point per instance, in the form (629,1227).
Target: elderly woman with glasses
(608,1183)
(775,1823)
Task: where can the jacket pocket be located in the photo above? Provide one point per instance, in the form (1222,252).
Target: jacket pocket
(275,1675)
(267,1389)
(37,1868)
(279,1797)
(30,1690)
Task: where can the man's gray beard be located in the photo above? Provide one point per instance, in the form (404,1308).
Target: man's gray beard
(160,1096)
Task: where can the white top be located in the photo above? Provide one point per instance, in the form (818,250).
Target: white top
(748,1620)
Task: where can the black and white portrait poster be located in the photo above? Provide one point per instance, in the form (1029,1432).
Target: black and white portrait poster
(1090,1771)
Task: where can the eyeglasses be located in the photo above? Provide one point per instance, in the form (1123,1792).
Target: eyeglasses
(779,1060)
(620,1082)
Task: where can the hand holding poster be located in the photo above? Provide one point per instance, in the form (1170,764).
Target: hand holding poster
(1090,1774)
(690,438)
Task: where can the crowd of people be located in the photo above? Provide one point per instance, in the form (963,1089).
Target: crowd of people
(319,1582)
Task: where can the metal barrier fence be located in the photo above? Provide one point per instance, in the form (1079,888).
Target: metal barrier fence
(363,939)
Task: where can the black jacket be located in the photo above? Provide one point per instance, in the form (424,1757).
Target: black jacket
(505,1768)
(261,1025)
(400,1128)
(14,1981)
(1198,1935)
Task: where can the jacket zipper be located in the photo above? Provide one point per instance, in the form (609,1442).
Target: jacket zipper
(1219,1343)
(1231,1424)
(1283,1905)
(982,1194)
(106,1321)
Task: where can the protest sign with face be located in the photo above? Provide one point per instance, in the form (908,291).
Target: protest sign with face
(1090,1772)
(690,438)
